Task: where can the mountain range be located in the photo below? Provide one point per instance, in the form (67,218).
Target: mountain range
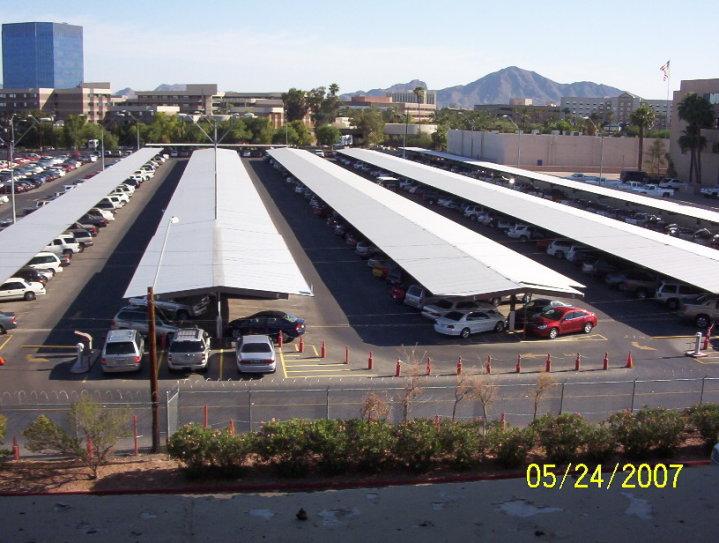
(127,91)
(498,87)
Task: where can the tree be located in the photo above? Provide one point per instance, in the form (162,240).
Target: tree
(544,383)
(657,154)
(72,131)
(261,131)
(296,104)
(370,124)
(374,407)
(94,432)
(327,134)
(234,130)
(296,133)
(697,112)
(323,105)
(643,119)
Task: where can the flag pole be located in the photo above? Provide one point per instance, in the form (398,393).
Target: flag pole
(669,79)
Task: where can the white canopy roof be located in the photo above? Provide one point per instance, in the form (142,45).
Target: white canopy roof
(224,240)
(638,199)
(29,235)
(445,257)
(683,260)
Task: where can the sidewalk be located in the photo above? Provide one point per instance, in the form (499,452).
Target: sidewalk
(484,511)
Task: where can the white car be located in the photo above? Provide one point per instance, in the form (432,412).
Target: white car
(16,288)
(104,213)
(121,195)
(522,232)
(672,184)
(442,307)
(255,354)
(46,261)
(464,324)
(63,245)
(559,248)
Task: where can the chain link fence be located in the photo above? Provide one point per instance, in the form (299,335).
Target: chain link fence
(249,407)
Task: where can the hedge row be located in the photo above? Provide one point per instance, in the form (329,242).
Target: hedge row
(297,447)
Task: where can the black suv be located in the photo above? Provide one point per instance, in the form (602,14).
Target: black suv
(270,323)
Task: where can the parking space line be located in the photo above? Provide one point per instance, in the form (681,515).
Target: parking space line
(7,340)
(591,337)
(282,361)
(313,371)
(672,337)
(64,347)
(313,348)
(33,358)
(316,365)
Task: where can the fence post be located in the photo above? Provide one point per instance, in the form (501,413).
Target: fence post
(136,446)
(701,394)
(205,416)
(561,398)
(249,409)
(634,392)
(327,404)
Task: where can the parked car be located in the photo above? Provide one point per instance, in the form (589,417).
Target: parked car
(418,296)
(270,323)
(562,320)
(16,288)
(640,283)
(8,321)
(703,310)
(123,351)
(365,249)
(255,354)
(177,310)
(599,267)
(524,232)
(559,248)
(46,261)
(189,350)
(443,306)
(63,245)
(673,294)
(95,220)
(135,318)
(536,307)
(83,237)
(31,275)
(463,324)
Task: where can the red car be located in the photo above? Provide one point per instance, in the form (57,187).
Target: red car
(562,320)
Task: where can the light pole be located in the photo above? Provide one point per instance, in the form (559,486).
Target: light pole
(519,137)
(11,152)
(102,146)
(404,140)
(154,393)
(601,152)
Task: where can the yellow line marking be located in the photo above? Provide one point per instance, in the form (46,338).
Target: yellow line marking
(312,371)
(6,342)
(637,345)
(49,347)
(566,339)
(33,358)
(282,361)
(313,348)
(672,337)
(708,360)
(317,365)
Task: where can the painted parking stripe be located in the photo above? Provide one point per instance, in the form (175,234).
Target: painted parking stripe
(5,342)
(331,364)
(591,337)
(317,371)
(63,347)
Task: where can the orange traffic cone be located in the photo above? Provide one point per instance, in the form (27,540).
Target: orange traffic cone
(630,361)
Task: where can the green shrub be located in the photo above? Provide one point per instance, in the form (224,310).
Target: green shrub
(463,443)
(417,444)
(228,452)
(372,443)
(511,446)
(647,430)
(705,420)
(285,445)
(601,443)
(561,436)
(328,439)
(191,445)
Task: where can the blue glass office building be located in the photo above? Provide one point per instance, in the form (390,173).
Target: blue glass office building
(42,55)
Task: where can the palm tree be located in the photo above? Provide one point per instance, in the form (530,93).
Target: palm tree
(419,93)
(698,113)
(642,118)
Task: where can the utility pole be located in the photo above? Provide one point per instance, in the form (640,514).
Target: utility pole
(154,395)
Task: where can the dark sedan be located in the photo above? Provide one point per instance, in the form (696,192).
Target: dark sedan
(31,275)
(7,321)
(536,307)
(270,323)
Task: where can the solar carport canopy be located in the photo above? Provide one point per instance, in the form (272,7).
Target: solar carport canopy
(224,241)
(682,260)
(445,257)
(628,197)
(29,235)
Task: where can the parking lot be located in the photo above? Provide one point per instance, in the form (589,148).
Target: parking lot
(351,313)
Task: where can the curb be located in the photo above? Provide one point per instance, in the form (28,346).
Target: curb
(305,486)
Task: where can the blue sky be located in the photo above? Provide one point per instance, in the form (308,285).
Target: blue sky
(249,45)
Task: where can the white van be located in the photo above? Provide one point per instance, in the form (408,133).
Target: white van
(46,261)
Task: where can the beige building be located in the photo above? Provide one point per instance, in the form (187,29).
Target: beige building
(194,99)
(709,88)
(253,104)
(19,100)
(616,110)
(413,129)
(428,97)
(93,100)
(545,152)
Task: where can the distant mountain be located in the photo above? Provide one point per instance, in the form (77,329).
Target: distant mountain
(498,87)
(127,91)
(174,87)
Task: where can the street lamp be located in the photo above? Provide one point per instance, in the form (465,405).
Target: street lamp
(519,136)
(601,155)
(11,151)
(154,394)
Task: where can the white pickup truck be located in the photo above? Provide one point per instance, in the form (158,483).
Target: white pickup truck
(710,192)
(649,190)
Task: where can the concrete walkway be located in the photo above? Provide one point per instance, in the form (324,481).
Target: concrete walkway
(484,511)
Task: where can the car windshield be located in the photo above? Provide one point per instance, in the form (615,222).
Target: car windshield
(454,316)
(553,314)
(186,347)
(256,348)
(444,304)
(120,348)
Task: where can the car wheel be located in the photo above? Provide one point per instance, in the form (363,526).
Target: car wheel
(499,327)
(496,301)
(29,296)
(464,333)
(52,272)
(559,254)
(673,304)
(588,327)
(553,333)
(183,315)
(702,321)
